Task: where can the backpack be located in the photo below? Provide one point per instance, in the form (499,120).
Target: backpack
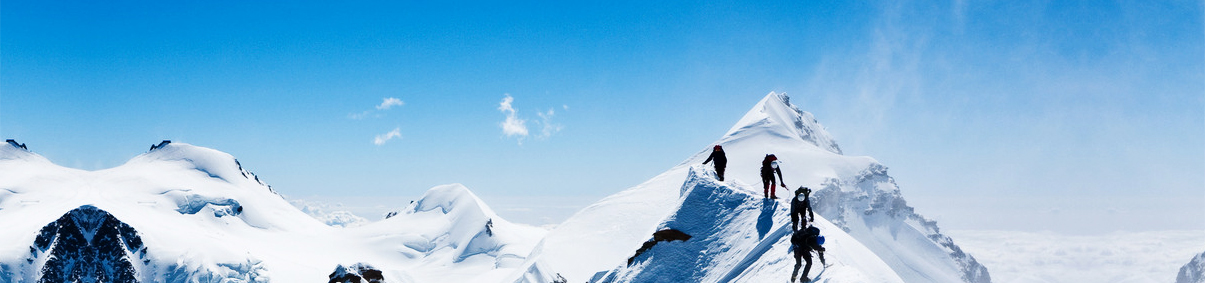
(812,236)
(806,239)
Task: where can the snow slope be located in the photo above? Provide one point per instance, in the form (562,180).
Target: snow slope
(855,193)
(1193,271)
(198,216)
(738,236)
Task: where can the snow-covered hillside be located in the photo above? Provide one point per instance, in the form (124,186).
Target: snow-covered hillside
(182,213)
(1193,271)
(738,236)
(854,193)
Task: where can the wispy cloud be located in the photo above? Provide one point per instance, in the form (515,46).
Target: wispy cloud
(382,138)
(389,103)
(386,104)
(549,127)
(514,126)
(359,116)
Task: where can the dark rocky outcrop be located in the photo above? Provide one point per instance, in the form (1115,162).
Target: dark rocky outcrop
(87,244)
(356,273)
(17,145)
(161,144)
(660,236)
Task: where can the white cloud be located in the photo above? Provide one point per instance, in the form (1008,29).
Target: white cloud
(382,138)
(505,106)
(386,104)
(549,127)
(513,125)
(389,103)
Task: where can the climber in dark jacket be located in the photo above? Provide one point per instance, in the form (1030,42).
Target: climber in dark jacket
(769,167)
(721,161)
(800,205)
(803,242)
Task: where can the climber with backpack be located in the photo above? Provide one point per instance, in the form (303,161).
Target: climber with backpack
(800,205)
(803,242)
(769,166)
(721,161)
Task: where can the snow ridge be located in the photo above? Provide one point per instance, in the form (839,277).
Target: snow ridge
(739,237)
(870,207)
(776,115)
(1193,271)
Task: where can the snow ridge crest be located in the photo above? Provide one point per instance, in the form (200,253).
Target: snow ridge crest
(776,115)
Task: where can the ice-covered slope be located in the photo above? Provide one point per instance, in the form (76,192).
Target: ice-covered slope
(853,192)
(1193,271)
(199,217)
(737,236)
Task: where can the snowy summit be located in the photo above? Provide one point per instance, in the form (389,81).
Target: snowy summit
(740,237)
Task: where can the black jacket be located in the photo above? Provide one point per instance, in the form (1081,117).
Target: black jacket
(718,156)
(801,207)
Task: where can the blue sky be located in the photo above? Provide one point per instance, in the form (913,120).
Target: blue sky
(972,104)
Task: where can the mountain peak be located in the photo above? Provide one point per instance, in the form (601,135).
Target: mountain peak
(215,163)
(775,115)
(452,197)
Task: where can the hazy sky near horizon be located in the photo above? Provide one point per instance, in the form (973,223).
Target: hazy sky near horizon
(970,103)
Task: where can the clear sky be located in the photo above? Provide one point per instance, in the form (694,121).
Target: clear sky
(1038,109)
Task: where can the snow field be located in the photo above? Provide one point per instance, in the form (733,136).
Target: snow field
(203,218)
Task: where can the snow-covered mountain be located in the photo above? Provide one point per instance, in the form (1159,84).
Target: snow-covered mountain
(876,236)
(1193,271)
(738,236)
(182,213)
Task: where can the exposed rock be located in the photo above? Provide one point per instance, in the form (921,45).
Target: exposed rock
(660,236)
(87,245)
(356,273)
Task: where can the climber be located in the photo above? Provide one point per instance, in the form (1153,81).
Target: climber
(803,242)
(769,166)
(721,161)
(801,204)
